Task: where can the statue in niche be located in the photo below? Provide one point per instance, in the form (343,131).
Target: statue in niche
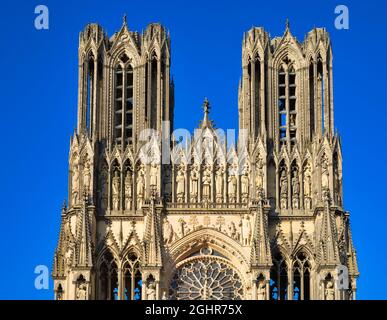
(153,175)
(128,190)
(116,190)
(284,189)
(103,188)
(296,190)
(81,291)
(151,291)
(307,188)
(245,183)
(194,183)
(232,188)
(180,180)
(168,232)
(75,182)
(219,184)
(181,227)
(167,183)
(261,290)
(330,291)
(141,183)
(206,184)
(259,176)
(246,230)
(325,174)
(86,176)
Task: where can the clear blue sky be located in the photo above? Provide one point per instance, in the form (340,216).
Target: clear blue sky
(39,101)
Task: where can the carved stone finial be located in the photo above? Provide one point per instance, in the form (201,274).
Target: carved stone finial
(206,106)
(287,24)
(125,23)
(64,207)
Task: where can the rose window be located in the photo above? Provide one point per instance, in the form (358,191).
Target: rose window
(206,279)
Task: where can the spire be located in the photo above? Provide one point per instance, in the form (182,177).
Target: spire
(124,20)
(152,235)
(206,108)
(287,24)
(84,256)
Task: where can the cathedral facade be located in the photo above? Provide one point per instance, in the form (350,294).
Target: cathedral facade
(152,217)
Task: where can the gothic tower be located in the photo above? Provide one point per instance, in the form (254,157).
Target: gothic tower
(260,219)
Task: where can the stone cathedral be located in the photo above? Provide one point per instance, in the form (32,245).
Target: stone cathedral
(152,216)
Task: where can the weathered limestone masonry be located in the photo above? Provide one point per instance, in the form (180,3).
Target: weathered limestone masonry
(206,225)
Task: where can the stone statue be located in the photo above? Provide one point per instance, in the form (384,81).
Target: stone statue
(206,184)
(219,183)
(164,296)
(103,189)
(151,291)
(232,188)
(153,175)
(296,185)
(246,230)
(325,176)
(284,184)
(245,183)
(168,232)
(284,189)
(86,176)
(330,291)
(81,291)
(116,190)
(261,290)
(140,183)
(232,230)
(307,183)
(181,227)
(75,183)
(128,190)
(180,179)
(194,183)
(259,176)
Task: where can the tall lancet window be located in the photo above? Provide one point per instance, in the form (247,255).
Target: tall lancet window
(287,104)
(301,277)
(129,104)
(311,99)
(119,80)
(123,102)
(89,91)
(320,92)
(279,279)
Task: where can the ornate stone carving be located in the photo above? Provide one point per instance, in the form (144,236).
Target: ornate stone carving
(75,182)
(128,190)
(261,290)
(207,184)
(259,177)
(245,225)
(116,190)
(180,181)
(219,181)
(330,291)
(87,176)
(232,188)
(153,175)
(194,183)
(151,291)
(140,186)
(81,291)
(168,232)
(284,189)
